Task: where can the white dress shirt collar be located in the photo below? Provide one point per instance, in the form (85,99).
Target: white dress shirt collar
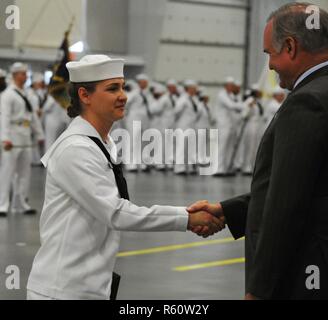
(309,72)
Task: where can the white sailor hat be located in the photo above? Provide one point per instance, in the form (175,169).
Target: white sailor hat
(202,92)
(278,90)
(96,67)
(180,89)
(237,83)
(229,80)
(142,76)
(255,87)
(18,67)
(3,73)
(171,82)
(248,92)
(190,83)
(159,88)
(131,82)
(37,77)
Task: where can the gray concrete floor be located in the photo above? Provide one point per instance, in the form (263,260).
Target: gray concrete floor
(152,275)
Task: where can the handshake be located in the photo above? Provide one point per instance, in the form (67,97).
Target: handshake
(206,219)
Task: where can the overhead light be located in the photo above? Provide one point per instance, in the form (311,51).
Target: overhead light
(77,47)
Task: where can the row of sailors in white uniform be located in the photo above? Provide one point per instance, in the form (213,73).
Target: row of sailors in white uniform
(164,108)
(241,123)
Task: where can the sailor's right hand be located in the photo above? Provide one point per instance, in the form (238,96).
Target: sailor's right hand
(7,145)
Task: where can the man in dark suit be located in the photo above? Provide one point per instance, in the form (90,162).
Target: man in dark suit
(285,216)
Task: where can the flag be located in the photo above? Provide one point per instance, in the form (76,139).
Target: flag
(59,81)
(268,82)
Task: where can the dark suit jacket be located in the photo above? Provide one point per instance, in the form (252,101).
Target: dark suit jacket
(285,216)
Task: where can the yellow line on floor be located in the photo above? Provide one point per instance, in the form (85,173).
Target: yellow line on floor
(219,263)
(175,247)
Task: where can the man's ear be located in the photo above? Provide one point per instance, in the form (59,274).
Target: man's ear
(84,95)
(291,47)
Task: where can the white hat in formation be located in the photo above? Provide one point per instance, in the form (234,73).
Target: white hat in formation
(190,83)
(278,90)
(142,76)
(131,83)
(37,77)
(3,73)
(18,67)
(255,87)
(180,89)
(248,92)
(237,83)
(229,80)
(96,67)
(159,88)
(203,93)
(171,82)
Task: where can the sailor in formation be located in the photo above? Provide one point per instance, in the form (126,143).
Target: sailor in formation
(138,120)
(18,120)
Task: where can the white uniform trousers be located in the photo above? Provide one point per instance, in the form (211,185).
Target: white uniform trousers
(170,146)
(136,128)
(202,147)
(16,161)
(186,149)
(250,145)
(227,139)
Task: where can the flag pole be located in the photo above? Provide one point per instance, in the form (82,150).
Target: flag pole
(59,81)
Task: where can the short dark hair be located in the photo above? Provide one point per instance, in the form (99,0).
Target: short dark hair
(290,21)
(75,108)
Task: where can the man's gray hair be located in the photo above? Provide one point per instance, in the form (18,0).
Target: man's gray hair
(291,21)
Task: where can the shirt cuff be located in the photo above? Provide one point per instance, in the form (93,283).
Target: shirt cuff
(182,219)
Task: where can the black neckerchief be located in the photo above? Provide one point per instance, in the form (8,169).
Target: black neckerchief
(27,103)
(172,100)
(193,104)
(145,102)
(117,169)
(42,101)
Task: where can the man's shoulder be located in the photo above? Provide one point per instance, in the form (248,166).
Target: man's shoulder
(313,92)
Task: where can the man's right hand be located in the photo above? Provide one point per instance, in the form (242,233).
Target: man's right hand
(7,145)
(214,209)
(203,220)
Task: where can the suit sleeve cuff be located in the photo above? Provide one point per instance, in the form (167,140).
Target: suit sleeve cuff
(235,212)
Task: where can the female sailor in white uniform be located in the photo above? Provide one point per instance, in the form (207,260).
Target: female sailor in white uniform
(86,199)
